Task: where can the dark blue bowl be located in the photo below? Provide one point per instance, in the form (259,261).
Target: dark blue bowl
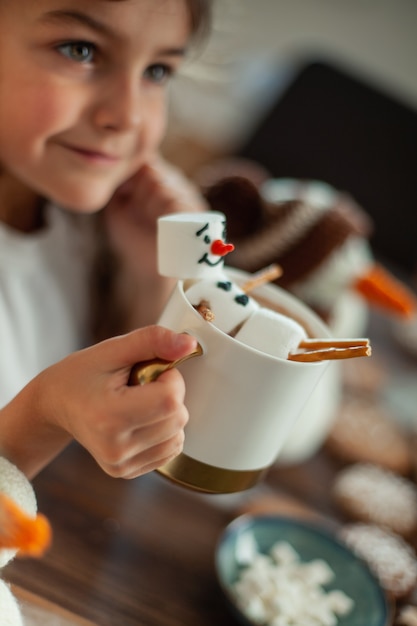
(310,541)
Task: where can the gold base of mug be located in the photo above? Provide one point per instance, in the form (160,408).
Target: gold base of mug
(188,472)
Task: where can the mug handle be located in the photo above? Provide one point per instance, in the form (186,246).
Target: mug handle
(147,371)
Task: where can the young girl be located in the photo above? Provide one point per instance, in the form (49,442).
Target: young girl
(82,112)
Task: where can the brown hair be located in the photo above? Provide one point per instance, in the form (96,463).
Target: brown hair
(201,16)
(200,12)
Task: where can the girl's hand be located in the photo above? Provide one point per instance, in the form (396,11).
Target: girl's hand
(134,294)
(129,430)
(131,217)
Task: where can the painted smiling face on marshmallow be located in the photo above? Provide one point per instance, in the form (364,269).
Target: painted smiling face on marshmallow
(192,245)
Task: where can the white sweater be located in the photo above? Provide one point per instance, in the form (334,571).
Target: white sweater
(43,296)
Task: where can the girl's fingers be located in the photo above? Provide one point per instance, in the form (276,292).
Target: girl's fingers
(144,344)
(140,419)
(147,460)
(152,404)
(155,434)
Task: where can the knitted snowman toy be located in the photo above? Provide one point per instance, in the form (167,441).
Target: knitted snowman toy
(317,234)
(17,514)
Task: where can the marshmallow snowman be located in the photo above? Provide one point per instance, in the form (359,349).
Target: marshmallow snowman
(192,247)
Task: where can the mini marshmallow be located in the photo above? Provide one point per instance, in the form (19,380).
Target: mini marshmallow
(229,304)
(318,572)
(339,602)
(272,333)
(185,244)
(283,553)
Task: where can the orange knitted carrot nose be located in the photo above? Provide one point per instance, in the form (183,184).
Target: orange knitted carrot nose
(382,290)
(29,535)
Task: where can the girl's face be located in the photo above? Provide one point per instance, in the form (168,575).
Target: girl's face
(83,89)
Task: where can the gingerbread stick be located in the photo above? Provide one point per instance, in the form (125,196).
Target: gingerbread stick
(206,313)
(328,354)
(319,344)
(266,275)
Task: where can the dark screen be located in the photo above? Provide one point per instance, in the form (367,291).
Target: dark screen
(331,126)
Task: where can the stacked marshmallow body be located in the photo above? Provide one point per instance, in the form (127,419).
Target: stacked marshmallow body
(272,333)
(230,306)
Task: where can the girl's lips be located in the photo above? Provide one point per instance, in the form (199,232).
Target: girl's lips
(93,155)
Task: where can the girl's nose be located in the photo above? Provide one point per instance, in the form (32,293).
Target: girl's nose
(119,106)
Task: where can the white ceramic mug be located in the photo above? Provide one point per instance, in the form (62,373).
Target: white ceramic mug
(242,402)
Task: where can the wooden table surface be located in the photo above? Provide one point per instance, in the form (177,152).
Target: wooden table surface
(141,552)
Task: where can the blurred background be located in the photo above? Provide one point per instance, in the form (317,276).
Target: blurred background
(323,89)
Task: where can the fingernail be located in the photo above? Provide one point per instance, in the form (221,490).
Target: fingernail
(183,340)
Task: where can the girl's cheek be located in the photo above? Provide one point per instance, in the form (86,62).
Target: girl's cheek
(49,110)
(54,109)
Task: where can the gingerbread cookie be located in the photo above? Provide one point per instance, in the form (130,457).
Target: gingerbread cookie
(365,432)
(407,616)
(371,494)
(391,559)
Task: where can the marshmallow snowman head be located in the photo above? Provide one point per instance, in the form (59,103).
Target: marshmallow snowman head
(192,245)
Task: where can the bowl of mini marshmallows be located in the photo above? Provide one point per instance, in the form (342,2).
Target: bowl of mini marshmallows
(279,571)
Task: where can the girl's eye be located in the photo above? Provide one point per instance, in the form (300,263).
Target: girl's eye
(78,51)
(158,73)
(207,239)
